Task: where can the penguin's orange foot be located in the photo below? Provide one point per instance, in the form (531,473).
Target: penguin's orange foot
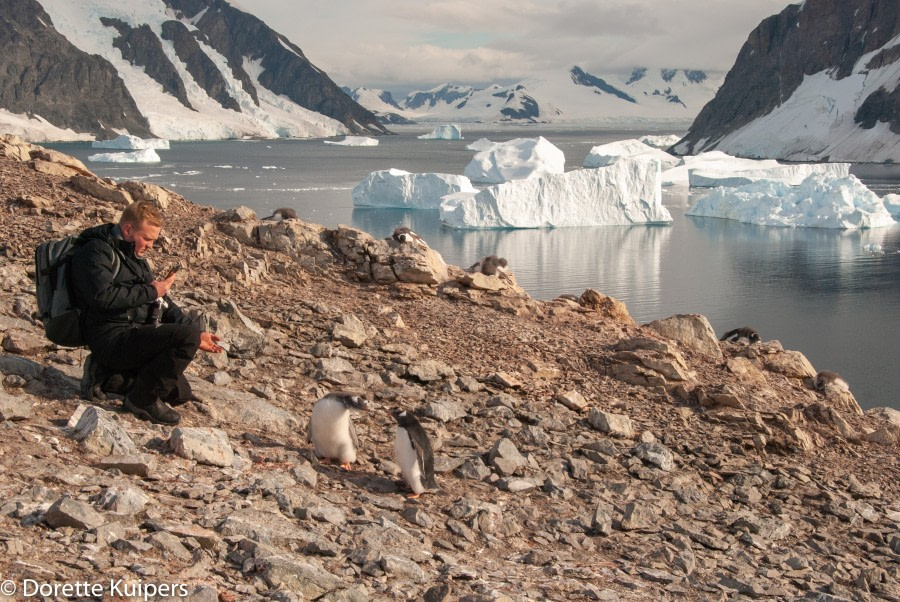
(346,466)
(413,496)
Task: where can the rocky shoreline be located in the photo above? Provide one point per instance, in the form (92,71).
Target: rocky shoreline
(580,456)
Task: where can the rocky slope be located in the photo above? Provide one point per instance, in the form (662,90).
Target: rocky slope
(177,69)
(579,455)
(819,81)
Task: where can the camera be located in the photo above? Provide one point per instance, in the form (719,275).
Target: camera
(156,311)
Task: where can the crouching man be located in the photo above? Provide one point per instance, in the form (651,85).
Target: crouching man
(131,325)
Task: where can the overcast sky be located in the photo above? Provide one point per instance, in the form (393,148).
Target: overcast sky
(404,45)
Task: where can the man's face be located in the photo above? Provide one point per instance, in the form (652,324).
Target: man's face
(143,236)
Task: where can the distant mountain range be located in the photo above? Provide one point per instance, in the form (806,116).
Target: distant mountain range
(176,69)
(640,95)
(819,81)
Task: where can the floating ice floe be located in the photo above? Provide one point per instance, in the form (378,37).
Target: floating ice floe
(714,161)
(443,132)
(626,192)
(892,204)
(403,190)
(129,142)
(354,141)
(147,155)
(820,201)
(607,154)
(517,159)
(792,174)
(480,145)
(664,141)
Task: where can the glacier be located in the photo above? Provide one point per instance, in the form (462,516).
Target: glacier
(892,204)
(354,141)
(820,201)
(129,142)
(606,154)
(517,159)
(789,174)
(395,188)
(444,132)
(626,192)
(145,155)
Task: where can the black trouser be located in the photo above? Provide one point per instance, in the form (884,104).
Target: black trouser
(157,357)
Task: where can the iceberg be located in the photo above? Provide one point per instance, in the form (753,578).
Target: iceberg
(480,145)
(403,190)
(820,201)
(607,154)
(892,204)
(518,159)
(443,132)
(663,142)
(712,160)
(147,155)
(129,142)
(354,141)
(792,175)
(626,192)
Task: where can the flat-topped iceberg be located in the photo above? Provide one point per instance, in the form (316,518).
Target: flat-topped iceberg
(129,142)
(395,188)
(661,141)
(792,174)
(147,155)
(626,192)
(354,141)
(444,132)
(517,159)
(607,154)
(712,160)
(820,201)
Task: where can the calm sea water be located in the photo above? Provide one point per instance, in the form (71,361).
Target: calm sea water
(821,292)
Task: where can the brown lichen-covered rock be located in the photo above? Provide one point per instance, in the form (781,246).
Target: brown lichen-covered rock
(608,307)
(691,331)
(144,191)
(100,190)
(792,364)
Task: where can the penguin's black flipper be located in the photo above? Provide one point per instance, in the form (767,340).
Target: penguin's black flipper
(729,334)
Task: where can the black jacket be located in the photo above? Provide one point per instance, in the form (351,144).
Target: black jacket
(113,301)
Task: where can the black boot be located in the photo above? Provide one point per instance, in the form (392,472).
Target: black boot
(91,382)
(157,412)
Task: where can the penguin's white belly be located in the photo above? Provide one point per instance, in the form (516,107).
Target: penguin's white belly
(406,458)
(329,431)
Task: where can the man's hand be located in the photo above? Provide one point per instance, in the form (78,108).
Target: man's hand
(162,286)
(208,342)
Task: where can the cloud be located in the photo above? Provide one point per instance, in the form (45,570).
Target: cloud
(421,43)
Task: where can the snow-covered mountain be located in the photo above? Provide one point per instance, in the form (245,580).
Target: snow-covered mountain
(819,81)
(574,95)
(176,69)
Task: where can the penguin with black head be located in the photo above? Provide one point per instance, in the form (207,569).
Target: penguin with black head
(281,214)
(403,235)
(745,335)
(413,453)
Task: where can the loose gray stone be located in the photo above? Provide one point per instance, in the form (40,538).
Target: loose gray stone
(123,499)
(616,425)
(350,332)
(141,465)
(99,433)
(15,407)
(692,331)
(639,517)
(402,568)
(430,370)
(305,579)
(67,512)
(204,445)
(505,457)
(601,522)
(445,410)
(655,453)
(220,378)
(573,400)
(170,545)
(474,469)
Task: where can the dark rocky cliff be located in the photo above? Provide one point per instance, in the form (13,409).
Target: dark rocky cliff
(42,73)
(200,66)
(802,40)
(286,70)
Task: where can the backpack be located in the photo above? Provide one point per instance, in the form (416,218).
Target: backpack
(52,264)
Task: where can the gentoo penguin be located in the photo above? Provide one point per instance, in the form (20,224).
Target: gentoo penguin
(330,430)
(827,378)
(745,335)
(404,234)
(412,452)
(281,214)
(490,265)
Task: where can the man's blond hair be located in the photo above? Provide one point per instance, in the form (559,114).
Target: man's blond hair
(140,212)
